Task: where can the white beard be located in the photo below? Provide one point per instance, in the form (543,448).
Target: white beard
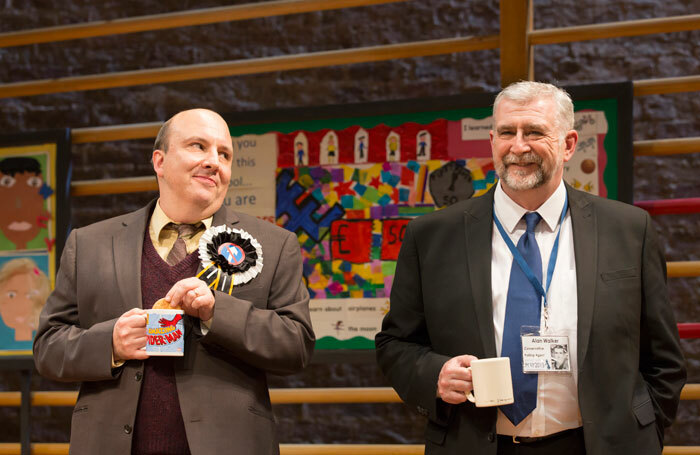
(521,180)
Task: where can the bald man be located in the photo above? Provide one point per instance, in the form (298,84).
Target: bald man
(93,327)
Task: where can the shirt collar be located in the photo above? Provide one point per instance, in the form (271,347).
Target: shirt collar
(159,220)
(510,213)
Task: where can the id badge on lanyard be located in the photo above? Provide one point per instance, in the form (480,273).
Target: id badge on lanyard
(544,353)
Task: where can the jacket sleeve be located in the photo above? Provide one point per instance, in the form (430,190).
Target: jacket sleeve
(279,338)
(63,350)
(404,352)
(661,361)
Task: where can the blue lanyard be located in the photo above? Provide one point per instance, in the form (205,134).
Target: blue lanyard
(521,260)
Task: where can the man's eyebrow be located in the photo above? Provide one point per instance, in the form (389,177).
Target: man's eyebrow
(505,126)
(196,139)
(536,126)
(527,126)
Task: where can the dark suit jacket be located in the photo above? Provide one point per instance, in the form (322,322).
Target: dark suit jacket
(221,380)
(630,368)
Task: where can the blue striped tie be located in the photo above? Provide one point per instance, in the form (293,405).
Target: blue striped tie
(522,309)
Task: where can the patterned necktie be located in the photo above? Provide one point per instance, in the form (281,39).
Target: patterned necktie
(179,250)
(523,306)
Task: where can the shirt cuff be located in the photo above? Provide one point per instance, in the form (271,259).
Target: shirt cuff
(116,364)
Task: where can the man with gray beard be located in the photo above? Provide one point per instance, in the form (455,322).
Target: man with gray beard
(532,263)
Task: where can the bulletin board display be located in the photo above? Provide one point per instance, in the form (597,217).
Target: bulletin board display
(34,191)
(348,179)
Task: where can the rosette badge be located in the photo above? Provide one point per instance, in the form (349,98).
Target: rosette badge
(230,257)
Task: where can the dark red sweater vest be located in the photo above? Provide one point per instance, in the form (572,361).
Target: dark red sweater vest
(159,428)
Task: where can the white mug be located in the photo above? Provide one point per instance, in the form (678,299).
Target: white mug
(165,332)
(492,383)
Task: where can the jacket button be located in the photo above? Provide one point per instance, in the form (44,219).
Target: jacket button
(127,429)
(492,437)
(138,376)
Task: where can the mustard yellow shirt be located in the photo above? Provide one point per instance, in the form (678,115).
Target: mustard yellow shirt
(164,239)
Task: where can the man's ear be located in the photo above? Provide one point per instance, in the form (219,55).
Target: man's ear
(157,159)
(570,141)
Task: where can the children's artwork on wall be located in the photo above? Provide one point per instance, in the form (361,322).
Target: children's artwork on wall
(33,226)
(349,179)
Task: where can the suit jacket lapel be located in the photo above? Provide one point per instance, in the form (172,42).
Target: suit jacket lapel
(127,246)
(224,216)
(585,231)
(478,221)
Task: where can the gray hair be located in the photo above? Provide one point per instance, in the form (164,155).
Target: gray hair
(162,137)
(524,92)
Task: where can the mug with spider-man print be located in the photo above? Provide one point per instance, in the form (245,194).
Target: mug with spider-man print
(166,332)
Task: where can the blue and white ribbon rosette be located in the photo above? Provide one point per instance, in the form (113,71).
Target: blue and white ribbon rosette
(230,257)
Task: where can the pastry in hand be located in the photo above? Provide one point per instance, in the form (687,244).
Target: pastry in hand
(162,304)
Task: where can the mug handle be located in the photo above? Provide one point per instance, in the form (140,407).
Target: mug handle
(470,394)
